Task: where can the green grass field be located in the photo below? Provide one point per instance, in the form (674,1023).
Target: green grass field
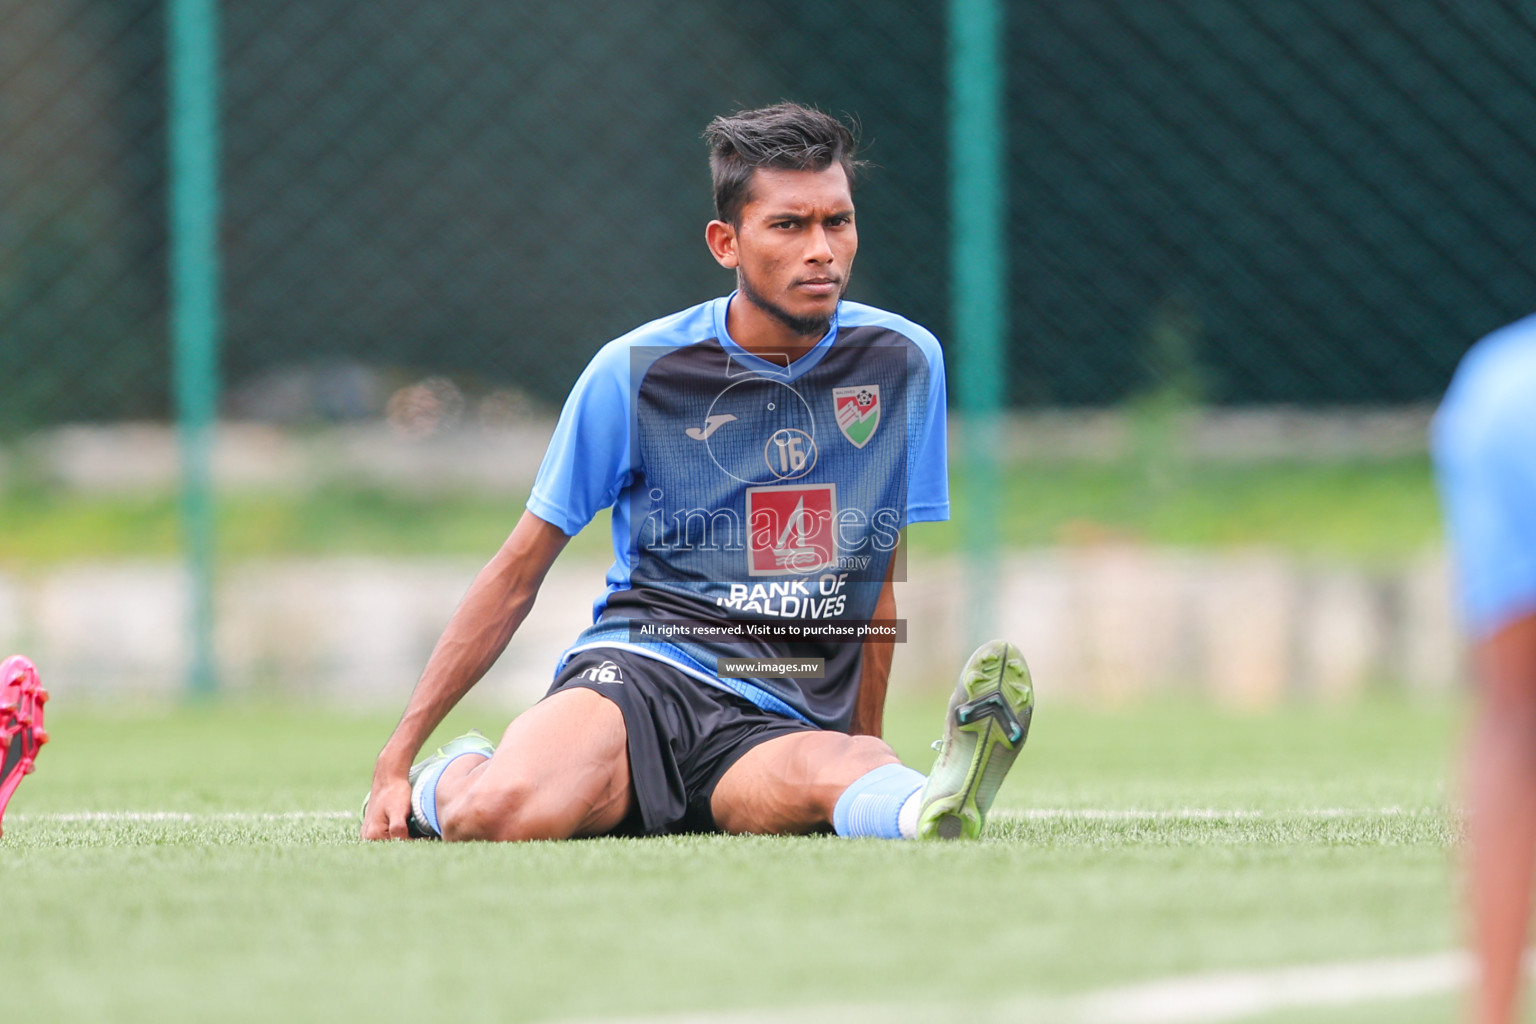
(1361,511)
(198,865)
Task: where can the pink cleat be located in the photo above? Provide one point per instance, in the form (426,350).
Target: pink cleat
(21,724)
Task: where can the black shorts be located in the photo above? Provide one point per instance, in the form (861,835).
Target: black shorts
(684,734)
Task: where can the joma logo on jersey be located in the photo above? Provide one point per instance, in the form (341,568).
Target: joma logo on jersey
(791,530)
(858,412)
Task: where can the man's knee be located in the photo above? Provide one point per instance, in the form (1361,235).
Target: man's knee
(562,770)
(511,812)
(855,757)
(860,755)
(872,748)
(830,768)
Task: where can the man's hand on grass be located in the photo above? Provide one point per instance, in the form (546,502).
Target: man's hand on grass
(388,806)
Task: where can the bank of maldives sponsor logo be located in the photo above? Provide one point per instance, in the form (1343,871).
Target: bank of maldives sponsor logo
(791,530)
(858,412)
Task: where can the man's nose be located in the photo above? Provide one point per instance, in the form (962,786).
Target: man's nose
(819,247)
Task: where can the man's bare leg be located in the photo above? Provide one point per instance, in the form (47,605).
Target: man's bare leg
(1501,783)
(791,784)
(561,770)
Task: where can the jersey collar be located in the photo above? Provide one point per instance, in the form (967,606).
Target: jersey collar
(766,367)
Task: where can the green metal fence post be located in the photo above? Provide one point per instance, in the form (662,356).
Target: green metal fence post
(193,56)
(979,280)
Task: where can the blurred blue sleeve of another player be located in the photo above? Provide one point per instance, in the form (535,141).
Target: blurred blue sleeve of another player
(587,463)
(1484,447)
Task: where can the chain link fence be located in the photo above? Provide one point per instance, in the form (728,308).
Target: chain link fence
(82,237)
(1298,201)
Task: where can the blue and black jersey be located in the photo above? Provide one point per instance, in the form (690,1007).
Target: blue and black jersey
(746,488)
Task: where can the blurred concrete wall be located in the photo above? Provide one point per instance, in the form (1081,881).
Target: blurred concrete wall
(1101,622)
(1111,625)
(1100,625)
(502,456)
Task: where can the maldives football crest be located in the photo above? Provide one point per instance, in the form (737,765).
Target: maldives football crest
(858,412)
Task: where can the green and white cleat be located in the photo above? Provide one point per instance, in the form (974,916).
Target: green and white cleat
(472,742)
(984,730)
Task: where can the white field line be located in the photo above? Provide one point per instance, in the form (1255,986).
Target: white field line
(241,817)
(1234,995)
(1039,814)
(1206,813)
(1213,998)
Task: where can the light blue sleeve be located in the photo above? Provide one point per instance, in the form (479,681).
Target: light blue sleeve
(928,471)
(1485,460)
(588,460)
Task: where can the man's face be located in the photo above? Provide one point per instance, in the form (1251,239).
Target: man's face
(794,247)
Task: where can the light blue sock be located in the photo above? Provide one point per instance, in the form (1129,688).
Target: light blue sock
(424,793)
(871,807)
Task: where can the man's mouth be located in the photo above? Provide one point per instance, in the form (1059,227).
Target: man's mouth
(819,285)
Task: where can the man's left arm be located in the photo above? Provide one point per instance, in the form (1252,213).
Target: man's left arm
(869,707)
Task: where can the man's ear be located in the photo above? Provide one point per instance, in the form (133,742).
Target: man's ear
(721,239)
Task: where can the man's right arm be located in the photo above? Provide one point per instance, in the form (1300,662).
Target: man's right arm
(493,607)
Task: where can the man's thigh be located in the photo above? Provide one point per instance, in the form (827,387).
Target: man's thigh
(790,784)
(561,770)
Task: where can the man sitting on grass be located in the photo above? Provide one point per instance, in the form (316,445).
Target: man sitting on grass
(762,453)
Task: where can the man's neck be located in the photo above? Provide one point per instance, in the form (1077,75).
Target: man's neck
(763,334)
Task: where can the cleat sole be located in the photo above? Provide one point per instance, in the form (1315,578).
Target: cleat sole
(986,727)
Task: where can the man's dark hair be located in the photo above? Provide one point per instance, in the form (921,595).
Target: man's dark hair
(785,136)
